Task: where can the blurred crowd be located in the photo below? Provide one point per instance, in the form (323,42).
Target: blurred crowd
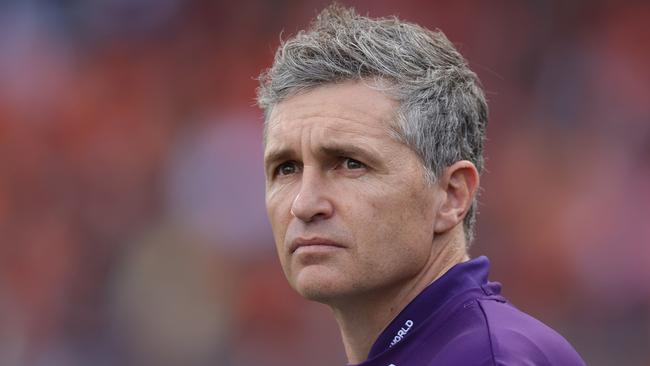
(132,221)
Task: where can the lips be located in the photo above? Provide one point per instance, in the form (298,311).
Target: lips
(306,242)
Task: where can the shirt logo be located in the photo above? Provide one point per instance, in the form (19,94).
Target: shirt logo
(402,332)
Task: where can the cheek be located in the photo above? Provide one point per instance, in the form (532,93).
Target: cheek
(278,219)
(396,224)
(279,224)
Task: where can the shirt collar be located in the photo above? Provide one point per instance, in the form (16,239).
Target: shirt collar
(460,278)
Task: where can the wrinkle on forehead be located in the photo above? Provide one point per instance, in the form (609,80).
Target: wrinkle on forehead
(348,108)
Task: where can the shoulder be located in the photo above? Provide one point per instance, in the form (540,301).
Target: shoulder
(517,338)
(491,332)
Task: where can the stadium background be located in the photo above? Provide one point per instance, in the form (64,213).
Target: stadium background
(132,226)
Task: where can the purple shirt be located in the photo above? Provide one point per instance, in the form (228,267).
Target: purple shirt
(461,319)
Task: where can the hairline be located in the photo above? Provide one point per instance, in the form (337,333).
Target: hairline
(376,82)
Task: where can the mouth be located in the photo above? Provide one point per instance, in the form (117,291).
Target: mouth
(314,242)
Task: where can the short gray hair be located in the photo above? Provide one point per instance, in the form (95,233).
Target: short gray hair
(442,114)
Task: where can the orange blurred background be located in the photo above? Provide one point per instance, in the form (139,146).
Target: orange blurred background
(132,222)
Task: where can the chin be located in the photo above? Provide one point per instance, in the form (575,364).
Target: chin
(319,284)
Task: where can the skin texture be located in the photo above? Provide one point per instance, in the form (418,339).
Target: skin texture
(371,231)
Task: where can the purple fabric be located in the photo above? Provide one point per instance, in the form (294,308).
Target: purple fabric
(461,319)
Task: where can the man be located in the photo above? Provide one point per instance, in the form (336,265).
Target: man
(374,133)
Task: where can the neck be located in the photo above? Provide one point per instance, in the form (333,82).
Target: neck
(362,320)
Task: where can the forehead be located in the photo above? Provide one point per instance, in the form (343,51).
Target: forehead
(348,109)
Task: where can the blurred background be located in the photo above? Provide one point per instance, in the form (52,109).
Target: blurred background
(132,225)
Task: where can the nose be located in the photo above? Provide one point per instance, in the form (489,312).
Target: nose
(311,202)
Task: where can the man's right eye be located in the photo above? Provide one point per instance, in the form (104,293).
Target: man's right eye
(288,168)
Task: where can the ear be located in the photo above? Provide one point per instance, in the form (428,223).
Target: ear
(459,183)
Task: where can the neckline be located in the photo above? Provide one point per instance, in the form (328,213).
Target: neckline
(471,274)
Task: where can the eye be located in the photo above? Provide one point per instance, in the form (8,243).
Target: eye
(287,168)
(352,164)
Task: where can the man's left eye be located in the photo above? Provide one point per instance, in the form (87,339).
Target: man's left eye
(353,164)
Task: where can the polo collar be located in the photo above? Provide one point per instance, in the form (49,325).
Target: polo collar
(470,275)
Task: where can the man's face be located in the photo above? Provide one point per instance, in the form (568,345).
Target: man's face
(351,211)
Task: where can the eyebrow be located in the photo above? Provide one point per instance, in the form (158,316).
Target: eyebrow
(331,149)
(348,150)
(277,155)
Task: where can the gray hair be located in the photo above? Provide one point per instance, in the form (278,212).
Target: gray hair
(442,114)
